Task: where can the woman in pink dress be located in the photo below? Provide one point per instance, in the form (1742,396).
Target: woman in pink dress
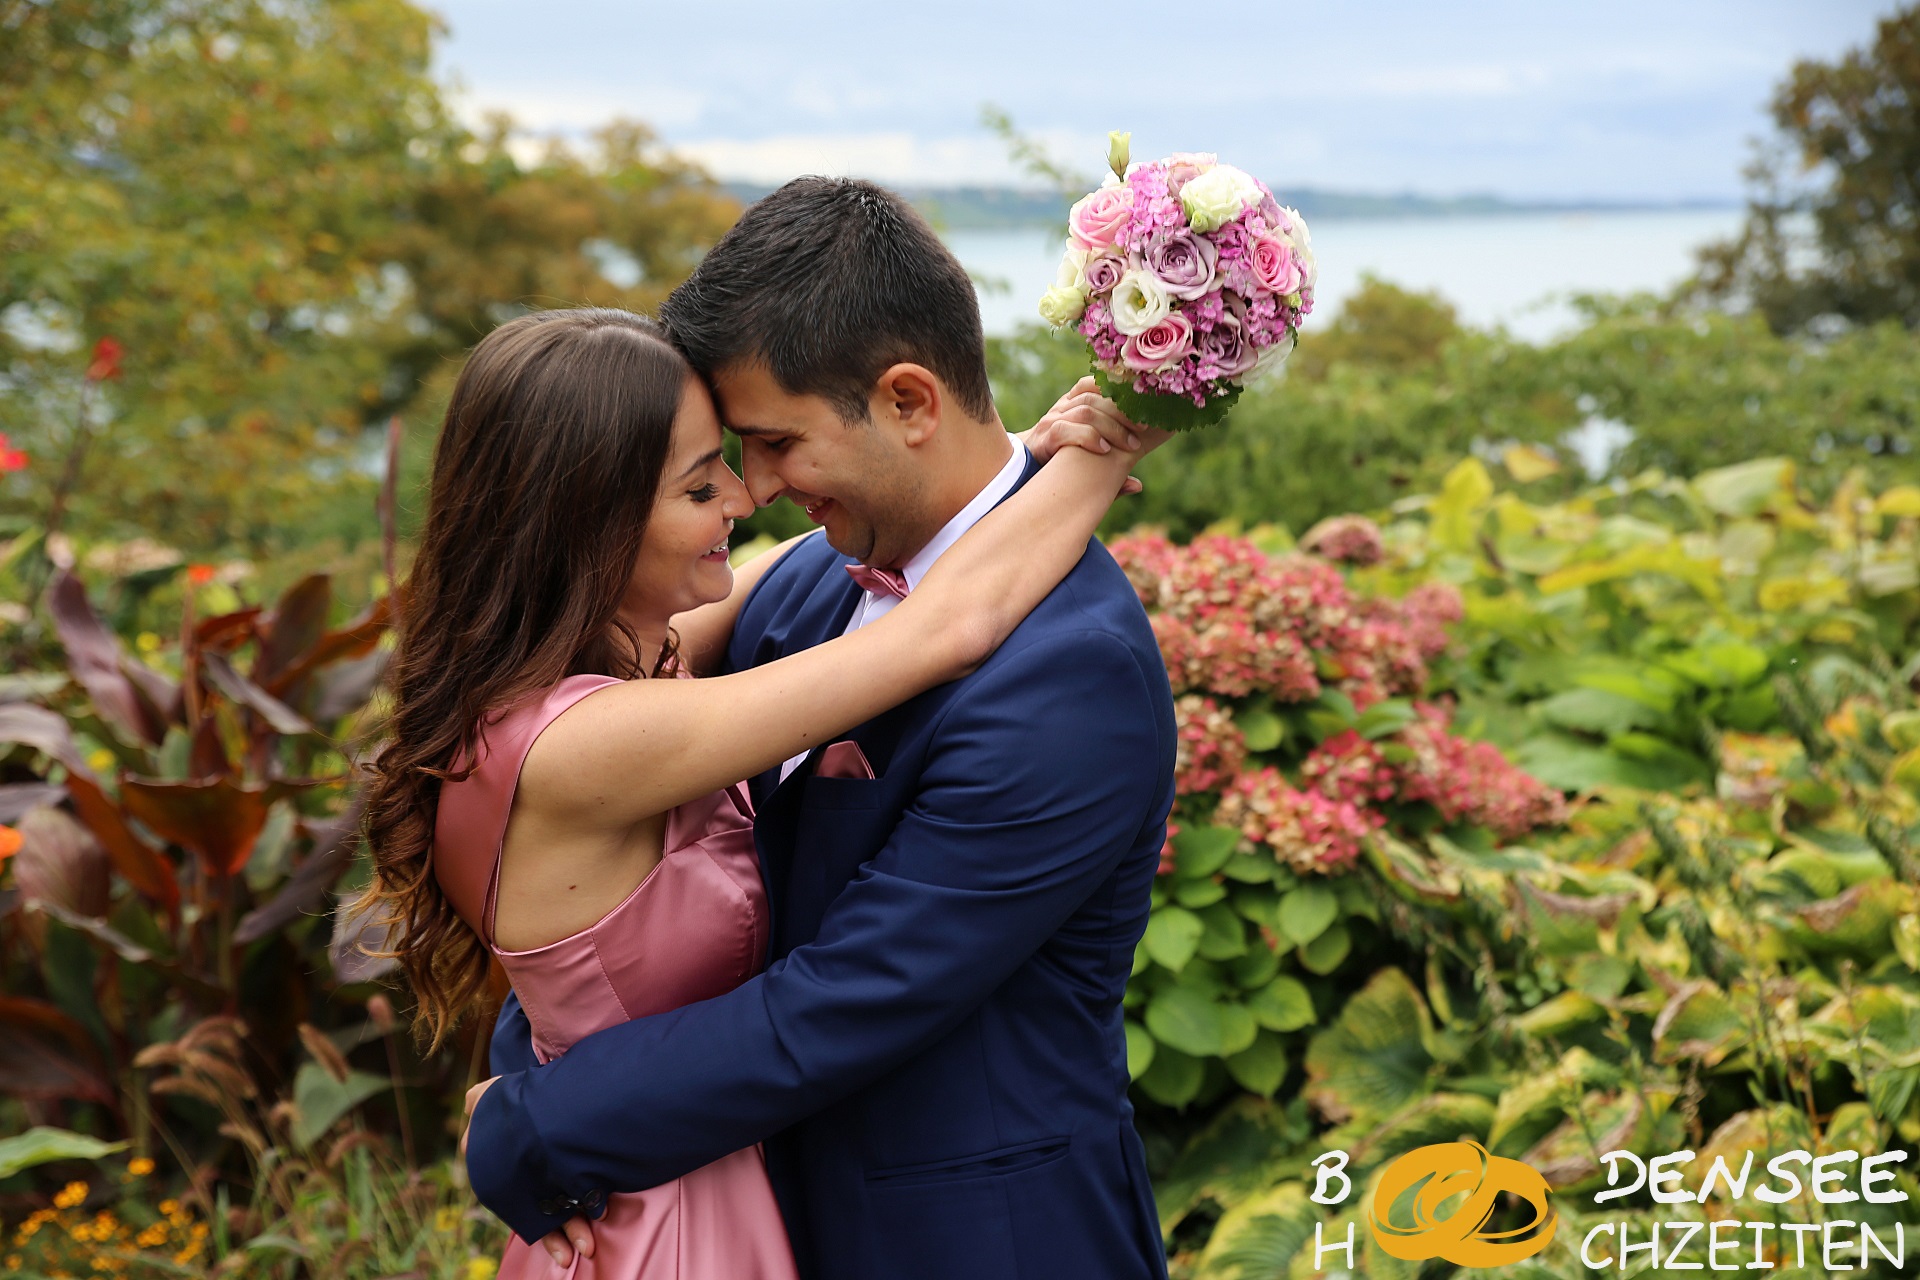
(551,798)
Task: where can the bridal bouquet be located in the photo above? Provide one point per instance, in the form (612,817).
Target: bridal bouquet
(1188,281)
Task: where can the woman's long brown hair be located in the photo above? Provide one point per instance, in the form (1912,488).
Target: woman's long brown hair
(543,480)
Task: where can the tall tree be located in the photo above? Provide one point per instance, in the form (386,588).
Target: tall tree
(269,206)
(1833,228)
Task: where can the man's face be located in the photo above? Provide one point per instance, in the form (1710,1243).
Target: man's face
(859,481)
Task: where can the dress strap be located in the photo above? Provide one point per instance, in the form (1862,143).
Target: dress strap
(471,823)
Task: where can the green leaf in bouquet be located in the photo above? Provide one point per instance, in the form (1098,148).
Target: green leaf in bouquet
(1282,1005)
(1140,1049)
(1225,937)
(1189,1021)
(1328,951)
(1172,1078)
(1198,852)
(1261,1066)
(1168,413)
(1260,726)
(1173,935)
(1306,912)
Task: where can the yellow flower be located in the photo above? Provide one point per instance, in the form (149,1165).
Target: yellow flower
(100,760)
(481,1268)
(70,1195)
(140,1166)
(169,1207)
(153,1237)
(147,642)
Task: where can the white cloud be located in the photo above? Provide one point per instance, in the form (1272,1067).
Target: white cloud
(899,157)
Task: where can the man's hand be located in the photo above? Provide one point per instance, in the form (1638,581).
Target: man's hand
(1084,419)
(560,1245)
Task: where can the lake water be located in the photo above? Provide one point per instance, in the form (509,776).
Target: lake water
(1516,270)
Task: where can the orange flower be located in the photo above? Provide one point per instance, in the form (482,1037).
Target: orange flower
(200,574)
(139,1166)
(10,842)
(106,360)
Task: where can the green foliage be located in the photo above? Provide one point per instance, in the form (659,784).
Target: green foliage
(1829,230)
(1376,403)
(270,208)
(1718,953)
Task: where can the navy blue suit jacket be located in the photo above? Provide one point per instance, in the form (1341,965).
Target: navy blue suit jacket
(934,1056)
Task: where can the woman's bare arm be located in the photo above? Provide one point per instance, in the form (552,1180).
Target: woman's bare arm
(705,632)
(633,750)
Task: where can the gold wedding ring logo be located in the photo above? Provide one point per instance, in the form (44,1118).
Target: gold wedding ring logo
(1439,1173)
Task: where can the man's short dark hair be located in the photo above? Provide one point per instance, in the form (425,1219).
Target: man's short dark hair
(827,282)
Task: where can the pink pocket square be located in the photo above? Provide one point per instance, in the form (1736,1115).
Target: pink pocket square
(844,760)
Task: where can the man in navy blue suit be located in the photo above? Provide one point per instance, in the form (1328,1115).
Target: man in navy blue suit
(934,1056)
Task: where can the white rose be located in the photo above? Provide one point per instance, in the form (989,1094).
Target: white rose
(1139,302)
(1269,364)
(1062,305)
(1218,196)
(1302,241)
(1073,268)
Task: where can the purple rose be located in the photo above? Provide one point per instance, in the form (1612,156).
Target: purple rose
(1184,262)
(1228,347)
(1166,343)
(1103,272)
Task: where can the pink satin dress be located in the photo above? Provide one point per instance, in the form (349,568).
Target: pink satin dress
(695,928)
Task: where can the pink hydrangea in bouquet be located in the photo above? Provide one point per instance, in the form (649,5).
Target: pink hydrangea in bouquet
(1189,282)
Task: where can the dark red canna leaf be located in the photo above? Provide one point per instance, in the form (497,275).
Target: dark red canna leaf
(295,626)
(218,819)
(61,862)
(47,1055)
(355,640)
(94,658)
(306,889)
(139,863)
(228,631)
(222,676)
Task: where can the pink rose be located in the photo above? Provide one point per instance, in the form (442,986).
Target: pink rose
(1228,348)
(1184,262)
(1184,166)
(1102,272)
(1165,344)
(1095,220)
(1275,266)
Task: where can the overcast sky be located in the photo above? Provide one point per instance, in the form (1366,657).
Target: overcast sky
(1629,100)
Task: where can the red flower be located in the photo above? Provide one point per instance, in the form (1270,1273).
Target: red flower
(11,459)
(200,574)
(106,360)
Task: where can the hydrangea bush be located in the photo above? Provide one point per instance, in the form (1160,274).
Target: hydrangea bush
(1312,740)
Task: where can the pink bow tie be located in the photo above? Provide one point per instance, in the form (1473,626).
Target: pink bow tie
(880,582)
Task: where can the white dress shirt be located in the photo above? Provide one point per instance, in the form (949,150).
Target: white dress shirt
(875,606)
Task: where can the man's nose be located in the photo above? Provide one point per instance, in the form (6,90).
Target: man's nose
(762,484)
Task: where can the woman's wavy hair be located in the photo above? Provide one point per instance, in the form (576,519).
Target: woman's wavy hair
(543,481)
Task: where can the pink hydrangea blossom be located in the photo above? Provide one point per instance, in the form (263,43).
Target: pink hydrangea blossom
(1304,830)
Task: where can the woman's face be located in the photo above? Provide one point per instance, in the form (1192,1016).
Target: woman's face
(683,556)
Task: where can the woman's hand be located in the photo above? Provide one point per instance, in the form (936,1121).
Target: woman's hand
(1084,419)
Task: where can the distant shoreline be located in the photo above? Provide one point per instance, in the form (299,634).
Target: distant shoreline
(978,208)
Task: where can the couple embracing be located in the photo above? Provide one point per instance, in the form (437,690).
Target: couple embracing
(818,958)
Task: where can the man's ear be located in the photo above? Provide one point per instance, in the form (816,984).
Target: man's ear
(908,398)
